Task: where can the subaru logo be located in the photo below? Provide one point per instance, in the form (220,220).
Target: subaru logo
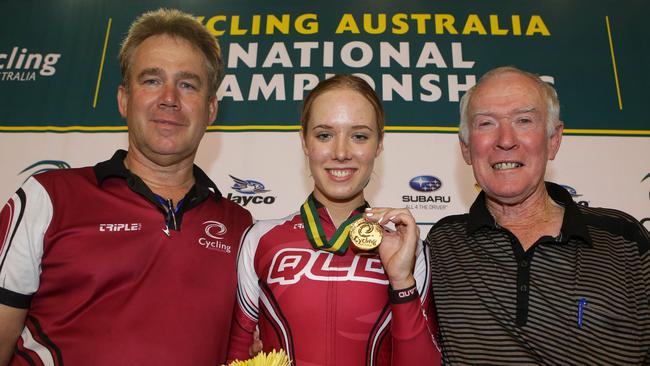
(425,183)
(247,186)
(572,191)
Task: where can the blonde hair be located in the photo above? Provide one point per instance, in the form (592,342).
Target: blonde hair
(347,82)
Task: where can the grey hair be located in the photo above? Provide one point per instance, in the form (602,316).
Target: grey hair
(549,93)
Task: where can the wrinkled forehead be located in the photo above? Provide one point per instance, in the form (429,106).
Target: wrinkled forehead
(507,91)
(168,48)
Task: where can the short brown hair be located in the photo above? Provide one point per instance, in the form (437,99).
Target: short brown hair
(174,23)
(348,82)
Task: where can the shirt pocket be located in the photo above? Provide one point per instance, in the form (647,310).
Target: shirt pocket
(610,324)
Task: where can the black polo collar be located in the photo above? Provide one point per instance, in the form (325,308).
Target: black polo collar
(114,167)
(573,224)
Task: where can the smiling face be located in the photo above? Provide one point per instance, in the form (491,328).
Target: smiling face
(508,146)
(341,142)
(167,105)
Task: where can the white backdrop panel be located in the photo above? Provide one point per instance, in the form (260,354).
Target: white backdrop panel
(604,171)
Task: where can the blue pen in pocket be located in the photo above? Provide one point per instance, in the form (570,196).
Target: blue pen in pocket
(582,303)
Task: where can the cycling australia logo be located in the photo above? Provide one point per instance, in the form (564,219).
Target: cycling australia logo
(214,235)
(251,191)
(426,185)
(575,195)
(44,166)
(21,64)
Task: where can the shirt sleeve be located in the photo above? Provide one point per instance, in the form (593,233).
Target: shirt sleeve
(23,222)
(414,323)
(246,313)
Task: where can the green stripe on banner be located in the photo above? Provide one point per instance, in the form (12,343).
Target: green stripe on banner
(293,128)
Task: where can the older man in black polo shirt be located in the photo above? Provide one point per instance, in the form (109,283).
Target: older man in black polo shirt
(528,276)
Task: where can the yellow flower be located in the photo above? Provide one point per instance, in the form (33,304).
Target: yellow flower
(273,358)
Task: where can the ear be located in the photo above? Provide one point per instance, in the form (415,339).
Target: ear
(380,148)
(303,142)
(213,107)
(464,149)
(122,100)
(555,140)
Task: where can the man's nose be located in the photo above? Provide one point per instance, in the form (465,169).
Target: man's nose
(169,97)
(507,138)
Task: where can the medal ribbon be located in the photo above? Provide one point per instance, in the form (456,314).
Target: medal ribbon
(338,243)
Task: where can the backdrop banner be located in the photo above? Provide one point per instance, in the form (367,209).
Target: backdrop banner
(59,75)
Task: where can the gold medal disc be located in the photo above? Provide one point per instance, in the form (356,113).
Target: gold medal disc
(365,235)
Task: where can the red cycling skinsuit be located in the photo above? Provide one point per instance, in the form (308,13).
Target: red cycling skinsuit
(326,309)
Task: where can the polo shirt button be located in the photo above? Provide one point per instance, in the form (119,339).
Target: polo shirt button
(523,288)
(523,264)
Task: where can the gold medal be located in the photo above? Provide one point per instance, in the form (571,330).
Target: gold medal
(365,235)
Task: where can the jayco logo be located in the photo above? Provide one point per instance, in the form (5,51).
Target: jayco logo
(251,191)
(214,234)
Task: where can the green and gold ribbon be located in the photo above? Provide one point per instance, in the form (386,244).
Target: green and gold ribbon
(338,243)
